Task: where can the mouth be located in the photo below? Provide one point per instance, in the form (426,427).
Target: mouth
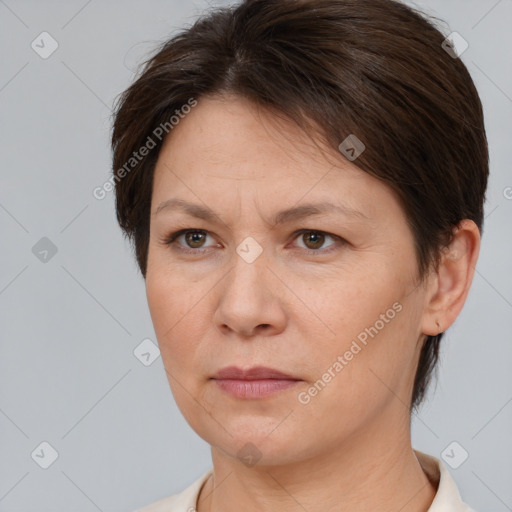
(254,383)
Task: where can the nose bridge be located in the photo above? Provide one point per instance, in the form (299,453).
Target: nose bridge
(249,267)
(251,255)
(246,297)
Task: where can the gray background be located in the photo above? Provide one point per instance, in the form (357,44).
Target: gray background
(69,326)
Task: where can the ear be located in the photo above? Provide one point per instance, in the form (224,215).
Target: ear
(448,287)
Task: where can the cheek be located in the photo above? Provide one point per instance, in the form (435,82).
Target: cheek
(177,317)
(372,321)
(377,360)
(173,309)
(354,299)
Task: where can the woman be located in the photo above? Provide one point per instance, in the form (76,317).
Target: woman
(303,182)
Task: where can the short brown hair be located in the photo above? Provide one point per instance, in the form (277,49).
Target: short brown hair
(374,68)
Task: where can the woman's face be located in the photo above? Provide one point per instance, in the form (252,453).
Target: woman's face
(337,306)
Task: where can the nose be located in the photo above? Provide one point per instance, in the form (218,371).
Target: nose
(250,298)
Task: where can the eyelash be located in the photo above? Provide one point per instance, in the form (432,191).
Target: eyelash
(170,240)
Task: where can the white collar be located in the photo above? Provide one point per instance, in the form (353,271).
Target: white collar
(447,498)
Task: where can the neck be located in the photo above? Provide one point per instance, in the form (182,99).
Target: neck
(374,469)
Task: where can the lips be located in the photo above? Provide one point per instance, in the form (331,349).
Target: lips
(258,382)
(255,373)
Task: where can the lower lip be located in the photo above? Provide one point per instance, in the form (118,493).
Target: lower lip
(254,388)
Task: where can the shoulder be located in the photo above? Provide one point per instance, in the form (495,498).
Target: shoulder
(184,501)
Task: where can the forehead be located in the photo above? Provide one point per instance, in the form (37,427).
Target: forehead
(227,149)
(231,129)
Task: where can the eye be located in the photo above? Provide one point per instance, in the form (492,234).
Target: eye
(314,239)
(194,237)
(194,241)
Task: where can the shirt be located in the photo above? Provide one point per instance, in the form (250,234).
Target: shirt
(447,498)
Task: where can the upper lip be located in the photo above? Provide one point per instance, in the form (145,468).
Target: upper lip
(254,373)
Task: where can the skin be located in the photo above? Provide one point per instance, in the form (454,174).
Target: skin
(349,448)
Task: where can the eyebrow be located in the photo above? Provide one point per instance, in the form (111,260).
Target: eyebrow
(282,217)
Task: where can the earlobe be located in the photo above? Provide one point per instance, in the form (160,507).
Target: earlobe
(449,286)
